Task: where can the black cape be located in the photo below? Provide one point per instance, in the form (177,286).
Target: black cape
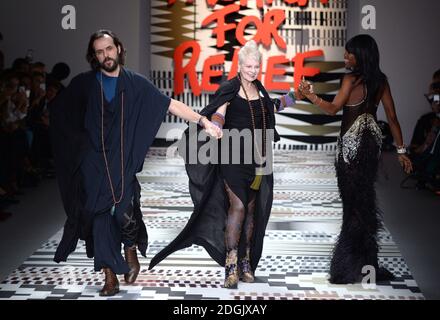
(206,226)
(75,113)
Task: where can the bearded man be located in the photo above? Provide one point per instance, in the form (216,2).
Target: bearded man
(102,125)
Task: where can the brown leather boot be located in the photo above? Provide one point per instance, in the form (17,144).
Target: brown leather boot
(133,264)
(111,286)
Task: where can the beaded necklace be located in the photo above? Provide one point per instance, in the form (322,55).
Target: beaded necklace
(115,202)
(257,181)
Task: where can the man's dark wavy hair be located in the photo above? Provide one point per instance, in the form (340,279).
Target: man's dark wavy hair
(91,55)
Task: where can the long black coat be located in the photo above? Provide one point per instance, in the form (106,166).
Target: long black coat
(206,226)
(75,130)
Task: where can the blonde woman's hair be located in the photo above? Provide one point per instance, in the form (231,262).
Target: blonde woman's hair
(249,50)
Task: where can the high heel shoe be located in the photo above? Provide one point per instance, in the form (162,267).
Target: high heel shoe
(231,271)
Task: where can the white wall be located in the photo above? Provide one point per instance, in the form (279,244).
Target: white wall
(27,24)
(407,35)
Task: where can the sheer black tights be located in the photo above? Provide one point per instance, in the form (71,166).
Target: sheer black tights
(237,216)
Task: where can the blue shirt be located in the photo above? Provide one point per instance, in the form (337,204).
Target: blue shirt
(109,84)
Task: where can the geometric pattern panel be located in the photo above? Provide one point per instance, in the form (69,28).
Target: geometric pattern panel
(316,30)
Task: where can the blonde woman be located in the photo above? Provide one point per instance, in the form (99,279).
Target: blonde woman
(233,201)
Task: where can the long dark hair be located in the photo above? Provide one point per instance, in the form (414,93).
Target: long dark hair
(91,56)
(367,68)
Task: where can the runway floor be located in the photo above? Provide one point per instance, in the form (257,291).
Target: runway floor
(302,230)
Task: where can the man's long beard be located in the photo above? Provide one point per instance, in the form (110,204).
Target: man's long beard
(113,67)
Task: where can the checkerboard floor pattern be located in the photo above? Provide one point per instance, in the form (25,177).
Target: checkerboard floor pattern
(302,230)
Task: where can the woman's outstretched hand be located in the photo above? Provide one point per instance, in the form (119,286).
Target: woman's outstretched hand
(305,88)
(406,163)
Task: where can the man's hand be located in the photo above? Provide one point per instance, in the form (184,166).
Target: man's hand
(211,128)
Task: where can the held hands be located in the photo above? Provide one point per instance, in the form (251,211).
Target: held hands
(297,95)
(305,88)
(210,128)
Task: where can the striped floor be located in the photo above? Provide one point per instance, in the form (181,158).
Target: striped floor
(302,230)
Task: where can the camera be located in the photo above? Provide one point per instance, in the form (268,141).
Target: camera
(433,98)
